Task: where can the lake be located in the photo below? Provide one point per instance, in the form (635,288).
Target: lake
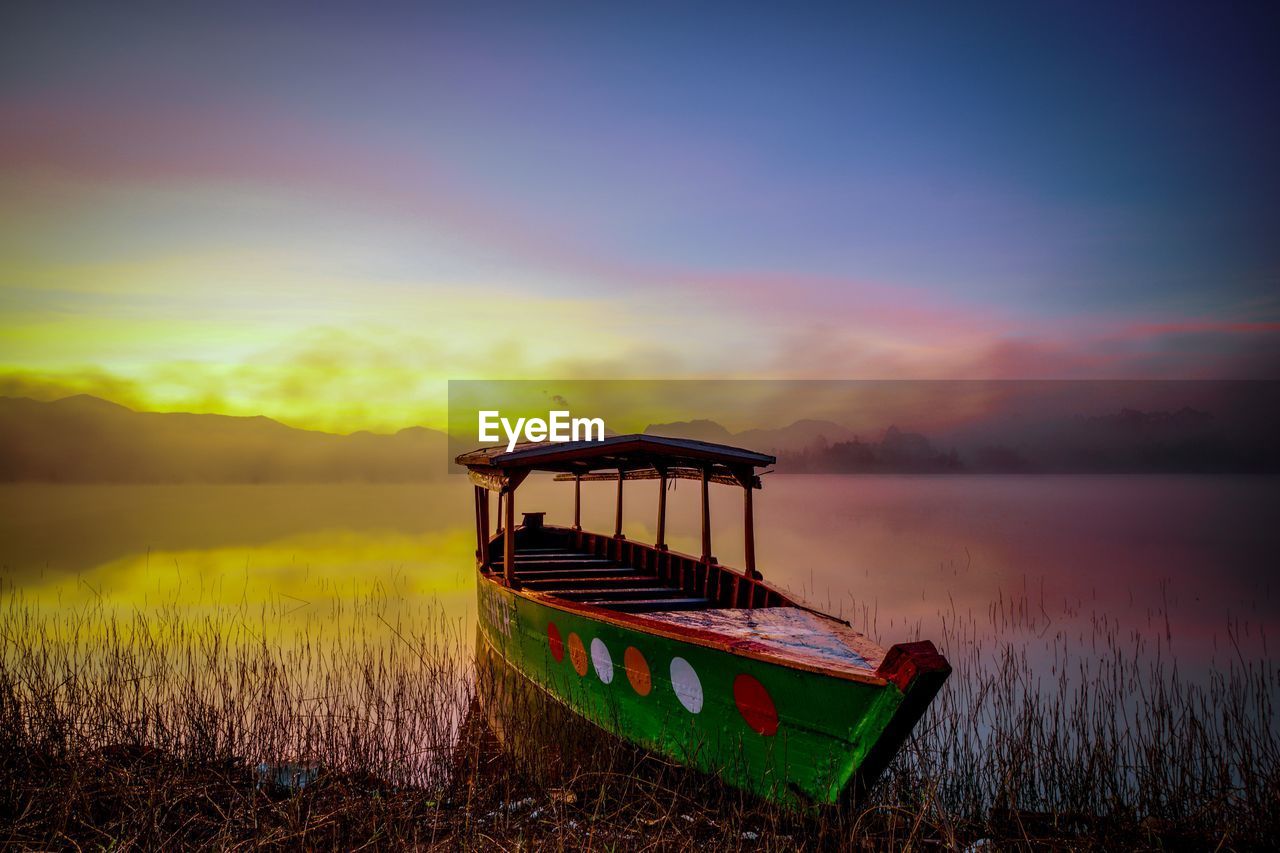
(1185,563)
(1109,637)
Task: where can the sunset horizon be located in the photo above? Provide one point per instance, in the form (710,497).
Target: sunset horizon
(604,426)
(257,216)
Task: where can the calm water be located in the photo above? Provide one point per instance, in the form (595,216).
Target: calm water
(1185,563)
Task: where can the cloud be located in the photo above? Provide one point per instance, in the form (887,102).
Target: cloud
(1187,349)
(48,385)
(333,379)
(386,378)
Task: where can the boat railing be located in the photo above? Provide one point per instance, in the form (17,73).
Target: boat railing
(719,583)
(619,459)
(724,586)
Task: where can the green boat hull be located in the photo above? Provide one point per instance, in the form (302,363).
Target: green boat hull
(785,733)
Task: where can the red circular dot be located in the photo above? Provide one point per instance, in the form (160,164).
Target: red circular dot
(557,645)
(754,704)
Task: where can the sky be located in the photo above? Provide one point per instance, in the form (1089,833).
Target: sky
(321,212)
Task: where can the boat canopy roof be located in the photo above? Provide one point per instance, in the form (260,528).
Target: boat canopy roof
(635,457)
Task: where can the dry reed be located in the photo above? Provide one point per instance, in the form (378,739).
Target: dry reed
(181,728)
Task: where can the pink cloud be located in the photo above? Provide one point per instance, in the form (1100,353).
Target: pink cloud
(866,328)
(134,144)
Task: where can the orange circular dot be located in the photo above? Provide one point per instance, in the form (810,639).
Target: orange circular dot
(553,639)
(577,654)
(637,670)
(755,704)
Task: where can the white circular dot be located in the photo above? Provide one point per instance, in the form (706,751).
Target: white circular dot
(602,660)
(686,684)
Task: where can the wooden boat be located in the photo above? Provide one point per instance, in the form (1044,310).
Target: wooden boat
(707,665)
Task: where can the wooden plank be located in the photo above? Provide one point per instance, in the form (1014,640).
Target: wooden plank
(552,554)
(589,582)
(602,584)
(684,570)
(495,480)
(789,632)
(590,563)
(718,476)
(589,455)
(620,594)
(536,574)
(520,552)
(647,623)
(650,605)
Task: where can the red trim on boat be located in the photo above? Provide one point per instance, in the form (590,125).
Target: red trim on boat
(904,662)
(711,639)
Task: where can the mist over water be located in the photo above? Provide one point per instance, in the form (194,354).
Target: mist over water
(1182,563)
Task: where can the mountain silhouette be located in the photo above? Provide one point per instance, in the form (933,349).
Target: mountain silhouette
(1184,440)
(801,435)
(86,439)
(698,430)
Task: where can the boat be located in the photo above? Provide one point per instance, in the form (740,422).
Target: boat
(706,665)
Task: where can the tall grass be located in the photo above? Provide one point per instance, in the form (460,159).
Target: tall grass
(173,727)
(1096,733)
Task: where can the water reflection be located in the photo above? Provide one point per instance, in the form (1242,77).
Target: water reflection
(1187,560)
(297,561)
(1087,617)
(1184,561)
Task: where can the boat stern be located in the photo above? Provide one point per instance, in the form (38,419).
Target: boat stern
(919,671)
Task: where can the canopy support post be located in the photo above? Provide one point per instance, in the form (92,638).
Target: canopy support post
(577,502)
(749,546)
(509,539)
(661,544)
(706,518)
(500,501)
(617,520)
(482,494)
(475,491)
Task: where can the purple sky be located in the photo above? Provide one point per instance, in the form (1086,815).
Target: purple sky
(201,201)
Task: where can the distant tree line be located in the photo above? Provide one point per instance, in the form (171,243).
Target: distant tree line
(1130,441)
(897,452)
